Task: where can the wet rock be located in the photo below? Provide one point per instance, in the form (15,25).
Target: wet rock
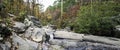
(19,27)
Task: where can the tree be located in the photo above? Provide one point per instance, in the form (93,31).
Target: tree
(98,22)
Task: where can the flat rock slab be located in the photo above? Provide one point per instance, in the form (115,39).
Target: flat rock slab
(68,35)
(82,45)
(92,38)
(107,40)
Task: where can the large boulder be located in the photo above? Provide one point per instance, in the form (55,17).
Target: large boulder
(32,20)
(35,33)
(38,34)
(19,27)
(23,43)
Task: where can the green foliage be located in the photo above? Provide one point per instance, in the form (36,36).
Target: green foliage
(70,8)
(96,18)
(21,16)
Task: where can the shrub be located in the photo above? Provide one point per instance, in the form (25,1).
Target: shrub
(96,18)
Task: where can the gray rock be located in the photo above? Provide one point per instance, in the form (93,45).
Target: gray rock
(29,32)
(34,20)
(32,44)
(118,27)
(35,33)
(18,40)
(68,35)
(8,44)
(94,47)
(67,29)
(4,47)
(20,43)
(106,40)
(83,45)
(11,15)
(38,34)
(56,47)
(28,23)
(19,27)
(49,32)
(39,47)
(23,44)
(25,47)
(1,38)
(64,42)
(45,46)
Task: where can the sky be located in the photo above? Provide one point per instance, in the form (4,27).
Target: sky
(46,3)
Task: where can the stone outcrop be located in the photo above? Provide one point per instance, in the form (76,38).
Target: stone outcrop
(34,36)
(19,27)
